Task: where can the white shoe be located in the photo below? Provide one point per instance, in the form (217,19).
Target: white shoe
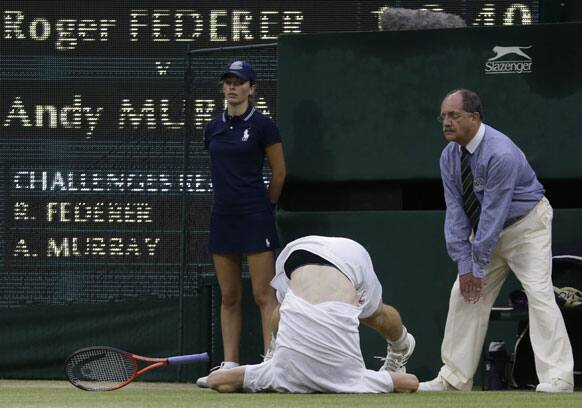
(202,382)
(436,385)
(557,385)
(395,361)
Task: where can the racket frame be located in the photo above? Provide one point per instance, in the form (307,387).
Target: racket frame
(156,363)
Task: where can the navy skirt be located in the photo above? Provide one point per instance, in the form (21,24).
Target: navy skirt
(242,233)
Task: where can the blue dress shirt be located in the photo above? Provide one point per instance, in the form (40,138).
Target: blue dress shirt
(505,185)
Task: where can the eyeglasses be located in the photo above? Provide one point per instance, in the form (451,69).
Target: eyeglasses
(453,115)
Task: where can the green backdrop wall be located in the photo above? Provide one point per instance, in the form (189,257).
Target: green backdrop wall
(363,106)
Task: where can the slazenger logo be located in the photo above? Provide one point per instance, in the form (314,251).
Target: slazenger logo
(519,62)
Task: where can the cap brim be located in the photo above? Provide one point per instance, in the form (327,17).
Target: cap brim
(236,74)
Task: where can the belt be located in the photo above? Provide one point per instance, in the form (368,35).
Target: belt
(510,221)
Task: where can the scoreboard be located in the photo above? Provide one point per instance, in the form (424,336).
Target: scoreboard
(105,195)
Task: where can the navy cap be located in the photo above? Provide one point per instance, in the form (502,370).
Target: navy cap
(242,70)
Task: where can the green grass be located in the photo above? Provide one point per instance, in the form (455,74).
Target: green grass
(59,394)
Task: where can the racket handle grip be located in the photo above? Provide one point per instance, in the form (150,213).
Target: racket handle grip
(191,358)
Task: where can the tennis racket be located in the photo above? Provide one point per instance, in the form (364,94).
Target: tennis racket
(108,368)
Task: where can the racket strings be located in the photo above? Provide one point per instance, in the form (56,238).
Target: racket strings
(100,369)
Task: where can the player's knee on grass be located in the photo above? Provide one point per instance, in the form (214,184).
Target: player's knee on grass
(227,380)
(404,382)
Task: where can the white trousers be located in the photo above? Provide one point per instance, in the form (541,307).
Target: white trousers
(525,249)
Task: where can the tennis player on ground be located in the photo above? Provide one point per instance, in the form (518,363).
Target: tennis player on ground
(325,287)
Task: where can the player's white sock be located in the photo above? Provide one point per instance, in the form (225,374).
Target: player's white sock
(401,343)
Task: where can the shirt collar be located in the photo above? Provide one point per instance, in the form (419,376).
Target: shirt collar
(245,116)
(476,140)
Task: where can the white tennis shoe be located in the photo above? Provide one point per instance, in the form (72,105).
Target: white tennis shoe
(202,382)
(439,384)
(556,385)
(396,360)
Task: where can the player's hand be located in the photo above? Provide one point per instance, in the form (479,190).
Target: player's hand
(471,287)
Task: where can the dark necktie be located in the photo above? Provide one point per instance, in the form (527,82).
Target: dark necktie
(470,202)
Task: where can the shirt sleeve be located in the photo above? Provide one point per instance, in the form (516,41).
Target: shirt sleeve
(501,178)
(269,133)
(457,225)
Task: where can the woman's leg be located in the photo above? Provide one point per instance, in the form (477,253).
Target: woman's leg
(228,271)
(262,270)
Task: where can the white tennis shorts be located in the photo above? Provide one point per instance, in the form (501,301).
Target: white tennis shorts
(347,256)
(317,350)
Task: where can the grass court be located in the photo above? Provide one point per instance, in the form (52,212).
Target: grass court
(60,394)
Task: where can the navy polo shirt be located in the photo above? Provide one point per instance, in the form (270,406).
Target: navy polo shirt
(237,155)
